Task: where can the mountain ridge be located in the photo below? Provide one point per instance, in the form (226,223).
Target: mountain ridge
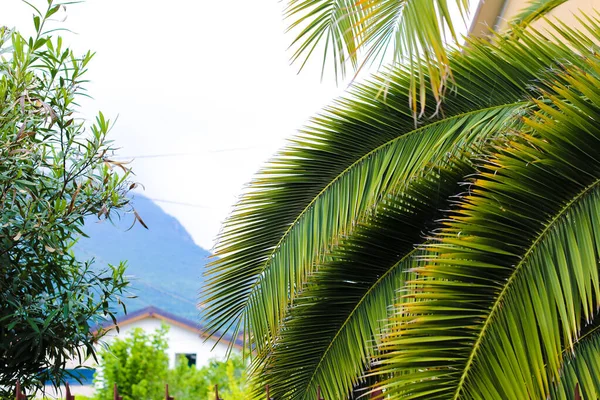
(164,263)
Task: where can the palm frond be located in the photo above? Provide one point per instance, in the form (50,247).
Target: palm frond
(364,31)
(516,272)
(327,338)
(335,173)
(535,10)
(335,22)
(580,372)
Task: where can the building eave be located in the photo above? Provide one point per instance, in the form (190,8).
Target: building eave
(167,317)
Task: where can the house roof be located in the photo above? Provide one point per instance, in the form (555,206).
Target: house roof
(170,318)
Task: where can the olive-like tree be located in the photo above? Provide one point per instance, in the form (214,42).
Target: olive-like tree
(55,170)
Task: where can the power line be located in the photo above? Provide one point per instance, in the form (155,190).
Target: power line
(186,154)
(180,203)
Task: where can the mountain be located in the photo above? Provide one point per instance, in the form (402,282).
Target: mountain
(163,262)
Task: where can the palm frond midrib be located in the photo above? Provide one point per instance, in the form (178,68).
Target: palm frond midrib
(415,211)
(416,131)
(505,289)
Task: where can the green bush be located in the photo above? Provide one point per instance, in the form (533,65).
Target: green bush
(189,382)
(138,364)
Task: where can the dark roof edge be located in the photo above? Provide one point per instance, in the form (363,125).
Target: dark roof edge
(155,312)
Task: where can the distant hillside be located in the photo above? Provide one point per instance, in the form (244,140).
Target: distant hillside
(164,263)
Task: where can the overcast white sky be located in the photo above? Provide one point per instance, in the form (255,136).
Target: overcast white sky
(203,90)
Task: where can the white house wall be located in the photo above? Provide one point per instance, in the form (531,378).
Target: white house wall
(179,340)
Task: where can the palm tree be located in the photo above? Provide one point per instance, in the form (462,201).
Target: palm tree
(455,256)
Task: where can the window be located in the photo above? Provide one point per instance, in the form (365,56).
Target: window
(190,358)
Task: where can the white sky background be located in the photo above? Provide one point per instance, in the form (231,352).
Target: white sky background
(207,81)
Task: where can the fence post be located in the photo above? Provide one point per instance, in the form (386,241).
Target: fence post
(167,397)
(20,395)
(116,393)
(319,393)
(377,394)
(69,395)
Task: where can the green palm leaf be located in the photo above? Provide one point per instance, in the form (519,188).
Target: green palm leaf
(327,337)
(362,31)
(335,173)
(534,11)
(580,371)
(516,273)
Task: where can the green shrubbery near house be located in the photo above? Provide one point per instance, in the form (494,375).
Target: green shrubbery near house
(139,365)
